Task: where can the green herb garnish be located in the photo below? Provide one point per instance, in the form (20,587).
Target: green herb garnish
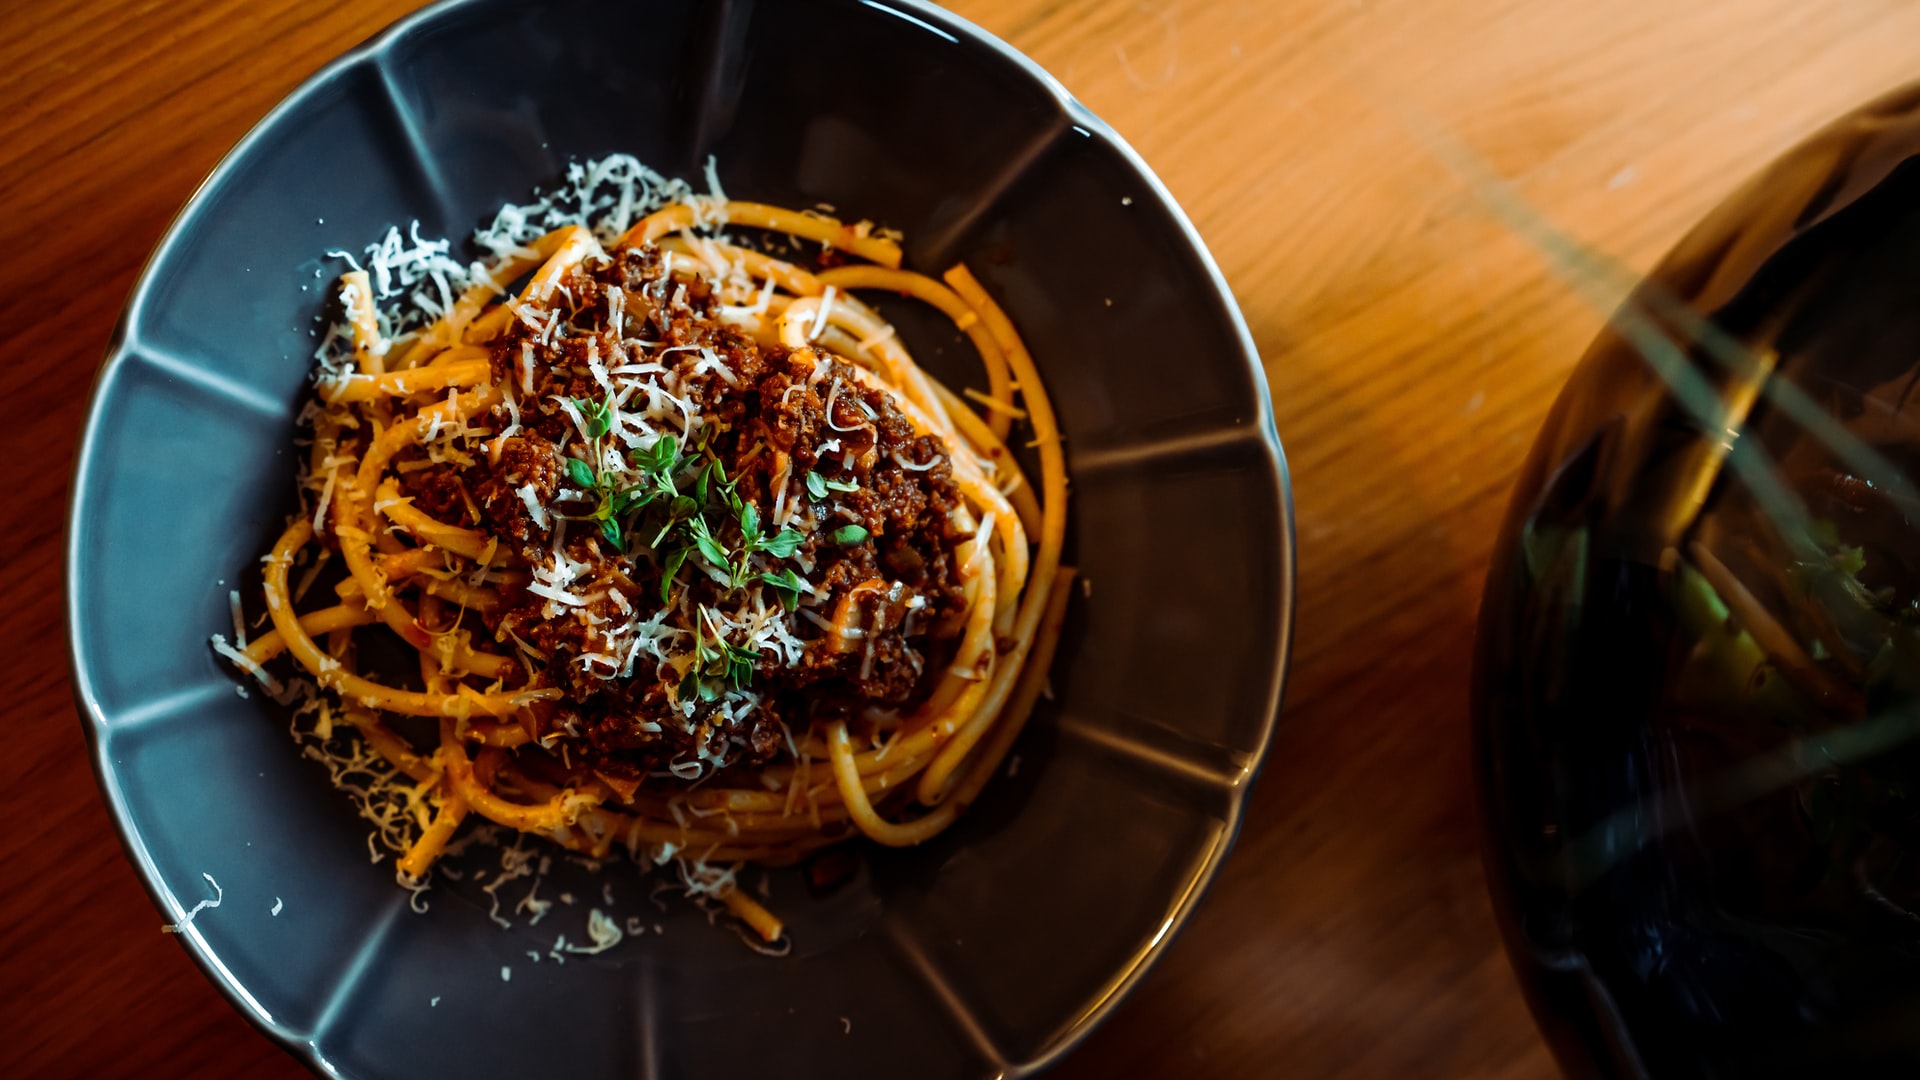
(716,664)
(675,558)
(782,545)
(710,549)
(818,486)
(788,586)
(597,414)
(580,472)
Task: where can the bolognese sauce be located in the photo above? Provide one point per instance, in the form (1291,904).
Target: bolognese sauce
(872,509)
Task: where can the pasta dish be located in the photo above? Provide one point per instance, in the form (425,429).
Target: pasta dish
(689,557)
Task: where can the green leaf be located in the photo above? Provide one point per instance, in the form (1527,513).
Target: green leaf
(633,499)
(840,485)
(750,525)
(739,665)
(848,535)
(783,545)
(659,464)
(610,528)
(595,416)
(666,453)
(816,485)
(710,549)
(786,578)
(700,485)
(680,509)
(675,559)
(788,586)
(579,472)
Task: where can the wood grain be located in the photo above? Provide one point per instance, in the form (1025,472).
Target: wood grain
(1412,346)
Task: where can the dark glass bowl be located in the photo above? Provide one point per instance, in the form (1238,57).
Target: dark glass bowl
(987,952)
(1698,684)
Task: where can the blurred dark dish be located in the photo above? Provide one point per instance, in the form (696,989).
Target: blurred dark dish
(988,952)
(1698,689)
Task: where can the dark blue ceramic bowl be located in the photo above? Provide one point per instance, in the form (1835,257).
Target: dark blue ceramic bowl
(990,951)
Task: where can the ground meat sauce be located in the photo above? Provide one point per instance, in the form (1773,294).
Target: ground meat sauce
(628,348)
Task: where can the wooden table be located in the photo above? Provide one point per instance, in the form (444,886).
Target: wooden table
(1412,344)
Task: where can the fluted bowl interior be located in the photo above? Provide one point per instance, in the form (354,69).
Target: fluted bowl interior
(988,951)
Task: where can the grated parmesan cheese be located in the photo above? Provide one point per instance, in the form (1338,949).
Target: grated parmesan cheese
(218,895)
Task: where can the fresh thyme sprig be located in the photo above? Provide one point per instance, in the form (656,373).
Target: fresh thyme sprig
(716,666)
(681,528)
(818,486)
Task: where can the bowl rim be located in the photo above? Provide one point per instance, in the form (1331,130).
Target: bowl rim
(931,18)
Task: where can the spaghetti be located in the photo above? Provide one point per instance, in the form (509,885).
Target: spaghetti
(691,556)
